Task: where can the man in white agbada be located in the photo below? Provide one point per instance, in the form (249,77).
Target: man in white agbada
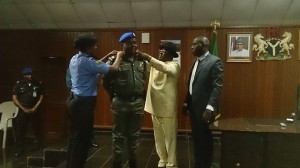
(161,102)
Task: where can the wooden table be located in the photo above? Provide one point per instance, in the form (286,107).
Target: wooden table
(259,143)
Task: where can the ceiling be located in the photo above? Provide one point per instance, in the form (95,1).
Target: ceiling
(90,14)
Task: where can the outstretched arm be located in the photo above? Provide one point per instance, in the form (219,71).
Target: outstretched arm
(169,69)
(115,66)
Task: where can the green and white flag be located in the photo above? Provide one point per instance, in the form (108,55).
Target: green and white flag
(215,44)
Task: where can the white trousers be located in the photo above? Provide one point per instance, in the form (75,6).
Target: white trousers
(165,134)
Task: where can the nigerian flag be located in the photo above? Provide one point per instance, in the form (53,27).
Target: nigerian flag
(215,44)
(215,52)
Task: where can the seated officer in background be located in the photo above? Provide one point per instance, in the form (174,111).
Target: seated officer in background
(126,88)
(27,95)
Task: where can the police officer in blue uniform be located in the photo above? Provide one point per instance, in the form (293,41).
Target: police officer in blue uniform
(69,86)
(27,95)
(84,72)
(126,88)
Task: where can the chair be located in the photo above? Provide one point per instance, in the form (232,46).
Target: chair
(8,111)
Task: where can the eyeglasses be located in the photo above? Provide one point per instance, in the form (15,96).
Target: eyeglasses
(163,51)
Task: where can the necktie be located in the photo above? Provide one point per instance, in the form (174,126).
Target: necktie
(195,68)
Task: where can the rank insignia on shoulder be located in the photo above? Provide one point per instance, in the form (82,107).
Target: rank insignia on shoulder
(142,65)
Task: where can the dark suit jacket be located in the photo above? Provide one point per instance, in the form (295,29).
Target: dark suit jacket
(207,86)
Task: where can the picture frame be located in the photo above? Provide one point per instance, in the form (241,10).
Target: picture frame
(239,47)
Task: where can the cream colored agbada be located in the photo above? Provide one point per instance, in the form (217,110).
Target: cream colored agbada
(161,98)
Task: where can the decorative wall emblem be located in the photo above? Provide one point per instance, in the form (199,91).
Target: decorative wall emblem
(273,48)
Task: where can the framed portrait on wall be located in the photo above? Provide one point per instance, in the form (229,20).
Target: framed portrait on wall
(239,47)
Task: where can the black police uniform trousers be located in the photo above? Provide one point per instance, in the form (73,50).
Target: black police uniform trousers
(81,111)
(127,117)
(21,125)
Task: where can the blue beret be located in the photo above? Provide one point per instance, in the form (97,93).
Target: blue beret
(126,36)
(27,70)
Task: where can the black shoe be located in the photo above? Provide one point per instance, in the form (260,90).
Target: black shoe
(132,163)
(93,144)
(117,164)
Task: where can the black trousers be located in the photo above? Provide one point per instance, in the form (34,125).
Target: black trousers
(21,124)
(81,111)
(203,142)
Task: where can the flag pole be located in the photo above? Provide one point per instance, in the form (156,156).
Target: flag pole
(214,49)
(215,23)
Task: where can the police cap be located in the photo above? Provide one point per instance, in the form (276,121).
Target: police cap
(27,70)
(126,36)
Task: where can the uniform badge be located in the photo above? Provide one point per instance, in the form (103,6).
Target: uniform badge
(34,94)
(142,65)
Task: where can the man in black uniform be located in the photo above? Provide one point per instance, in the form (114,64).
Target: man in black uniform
(27,95)
(126,88)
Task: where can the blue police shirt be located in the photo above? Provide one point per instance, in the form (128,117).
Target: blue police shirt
(84,73)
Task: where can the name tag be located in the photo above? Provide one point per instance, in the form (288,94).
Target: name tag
(34,94)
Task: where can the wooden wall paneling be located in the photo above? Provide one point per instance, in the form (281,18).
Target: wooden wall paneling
(54,111)
(183,120)
(262,89)
(291,78)
(8,72)
(268,78)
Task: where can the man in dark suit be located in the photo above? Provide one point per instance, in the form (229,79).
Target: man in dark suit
(205,84)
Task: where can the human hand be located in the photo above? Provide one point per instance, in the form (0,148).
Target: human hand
(120,54)
(106,57)
(114,52)
(33,109)
(27,110)
(113,58)
(208,116)
(144,56)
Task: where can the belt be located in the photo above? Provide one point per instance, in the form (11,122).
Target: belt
(77,96)
(130,98)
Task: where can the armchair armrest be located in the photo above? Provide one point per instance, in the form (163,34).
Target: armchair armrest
(15,115)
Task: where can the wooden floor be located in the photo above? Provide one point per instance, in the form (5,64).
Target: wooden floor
(101,157)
